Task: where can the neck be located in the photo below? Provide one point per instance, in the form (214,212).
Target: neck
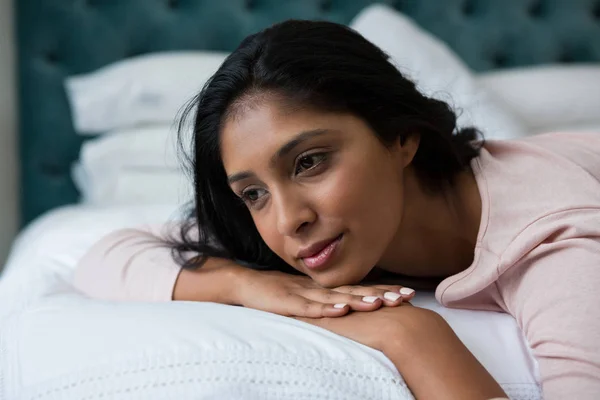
(438,233)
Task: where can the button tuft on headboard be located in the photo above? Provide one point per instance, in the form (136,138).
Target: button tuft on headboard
(326,5)
(500,60)
(51,57)
(468,7)
(536,9)
(405,6)
(566,57)
(250,5)
(596,10)
(134,53)
(172,4)
(51,169)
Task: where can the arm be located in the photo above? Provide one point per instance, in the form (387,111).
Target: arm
(214,282)
(554,296)
(432,360)
(136,264)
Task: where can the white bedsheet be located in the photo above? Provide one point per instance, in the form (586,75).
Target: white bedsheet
(57,344)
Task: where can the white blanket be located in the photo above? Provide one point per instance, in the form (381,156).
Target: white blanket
(57,344)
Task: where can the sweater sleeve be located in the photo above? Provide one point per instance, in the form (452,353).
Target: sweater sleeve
(554,295)
(129,264)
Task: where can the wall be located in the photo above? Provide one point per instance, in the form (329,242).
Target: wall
(8,148)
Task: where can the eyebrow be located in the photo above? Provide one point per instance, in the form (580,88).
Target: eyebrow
(282,152)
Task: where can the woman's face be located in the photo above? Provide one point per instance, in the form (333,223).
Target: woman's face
(325,194)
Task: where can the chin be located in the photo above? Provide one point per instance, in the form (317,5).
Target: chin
(327,283)
(333,279)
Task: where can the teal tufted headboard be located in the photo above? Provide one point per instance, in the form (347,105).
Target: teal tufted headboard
(57,38)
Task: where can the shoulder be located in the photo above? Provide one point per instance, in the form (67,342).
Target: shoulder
(526,180)
(537,193)
(561,150)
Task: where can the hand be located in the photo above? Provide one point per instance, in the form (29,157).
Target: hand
(293,295)
(371,329)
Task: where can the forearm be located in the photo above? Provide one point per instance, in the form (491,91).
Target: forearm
(213,282)
(128,265)
(434,362)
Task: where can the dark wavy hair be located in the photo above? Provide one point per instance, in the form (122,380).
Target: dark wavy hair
(323,66)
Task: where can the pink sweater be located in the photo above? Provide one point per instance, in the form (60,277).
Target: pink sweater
(537,256)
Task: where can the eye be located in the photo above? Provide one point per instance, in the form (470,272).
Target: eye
(252,195)
(307,162)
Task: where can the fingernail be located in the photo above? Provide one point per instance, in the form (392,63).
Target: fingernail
(406,291)
(391,296)
(370,299)
(340,305)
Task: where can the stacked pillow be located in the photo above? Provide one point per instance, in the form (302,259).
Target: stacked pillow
(134,105)
(139,165)
(550,97)
(143,90)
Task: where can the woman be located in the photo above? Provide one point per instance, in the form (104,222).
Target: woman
(312,154)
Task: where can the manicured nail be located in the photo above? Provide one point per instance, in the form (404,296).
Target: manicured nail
(370,299)
(406,291)
(391,296)
(340,305)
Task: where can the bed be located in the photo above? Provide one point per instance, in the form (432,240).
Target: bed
(56,343)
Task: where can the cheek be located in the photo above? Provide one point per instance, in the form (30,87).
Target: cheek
(368,201)
(269,233)
(364,191)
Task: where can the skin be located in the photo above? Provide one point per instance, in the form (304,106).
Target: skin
(342,179)
(308,176)
(430,357)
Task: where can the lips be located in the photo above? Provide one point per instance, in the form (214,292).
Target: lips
(319,253)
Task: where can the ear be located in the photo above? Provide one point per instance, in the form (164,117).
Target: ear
(408,148)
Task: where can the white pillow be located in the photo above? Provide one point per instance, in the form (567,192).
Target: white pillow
(588,127)
(57,344)
(551,97)
(141,90)
(437,71)
(132,166)
(186,350)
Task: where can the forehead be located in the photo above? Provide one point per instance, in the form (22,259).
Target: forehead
(257,132)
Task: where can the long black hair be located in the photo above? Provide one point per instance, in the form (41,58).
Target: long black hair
(326,67)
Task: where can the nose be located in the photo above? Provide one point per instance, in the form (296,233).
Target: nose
(293,212)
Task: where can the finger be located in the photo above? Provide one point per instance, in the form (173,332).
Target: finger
(387,298)
(376,290)
(355,302)
(406,292)
(302,307)
(391,295)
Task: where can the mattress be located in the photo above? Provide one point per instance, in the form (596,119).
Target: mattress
(57,344)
